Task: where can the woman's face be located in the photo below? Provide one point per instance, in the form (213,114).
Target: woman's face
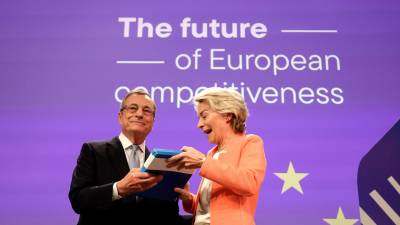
(213,124)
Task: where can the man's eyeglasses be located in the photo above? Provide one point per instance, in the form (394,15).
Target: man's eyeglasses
(134,108)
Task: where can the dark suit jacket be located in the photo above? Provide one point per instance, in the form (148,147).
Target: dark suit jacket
(99,165)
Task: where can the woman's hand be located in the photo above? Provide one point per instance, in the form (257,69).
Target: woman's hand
(190,158)
(185,195)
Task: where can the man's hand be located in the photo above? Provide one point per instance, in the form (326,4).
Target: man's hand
(136,181)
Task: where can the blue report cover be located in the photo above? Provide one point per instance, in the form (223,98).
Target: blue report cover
(156,163)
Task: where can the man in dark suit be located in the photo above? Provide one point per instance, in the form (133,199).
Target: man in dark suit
(107,175)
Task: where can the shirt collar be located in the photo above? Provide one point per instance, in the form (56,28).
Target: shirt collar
(126,143)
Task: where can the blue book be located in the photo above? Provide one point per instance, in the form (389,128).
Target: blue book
(156,164)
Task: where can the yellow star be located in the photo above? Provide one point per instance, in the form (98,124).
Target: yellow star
(292,179)
(340,219)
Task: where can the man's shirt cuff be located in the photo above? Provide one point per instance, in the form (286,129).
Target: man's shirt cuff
(115,195)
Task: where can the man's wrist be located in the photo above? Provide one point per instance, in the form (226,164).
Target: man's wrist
(115,194)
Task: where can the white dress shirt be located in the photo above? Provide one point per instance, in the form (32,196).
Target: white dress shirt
(128,150)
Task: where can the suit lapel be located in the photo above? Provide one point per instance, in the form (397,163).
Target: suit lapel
(117,156)
(146,153)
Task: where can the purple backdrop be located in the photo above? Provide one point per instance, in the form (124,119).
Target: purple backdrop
(59,76)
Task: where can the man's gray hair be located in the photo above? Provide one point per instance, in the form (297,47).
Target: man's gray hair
(137,91)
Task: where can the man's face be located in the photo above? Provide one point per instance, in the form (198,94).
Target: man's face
(137,116)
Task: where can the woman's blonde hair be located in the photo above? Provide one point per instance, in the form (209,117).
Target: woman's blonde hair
(225,101)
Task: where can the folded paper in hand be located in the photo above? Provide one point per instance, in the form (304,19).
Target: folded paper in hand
(172,177)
